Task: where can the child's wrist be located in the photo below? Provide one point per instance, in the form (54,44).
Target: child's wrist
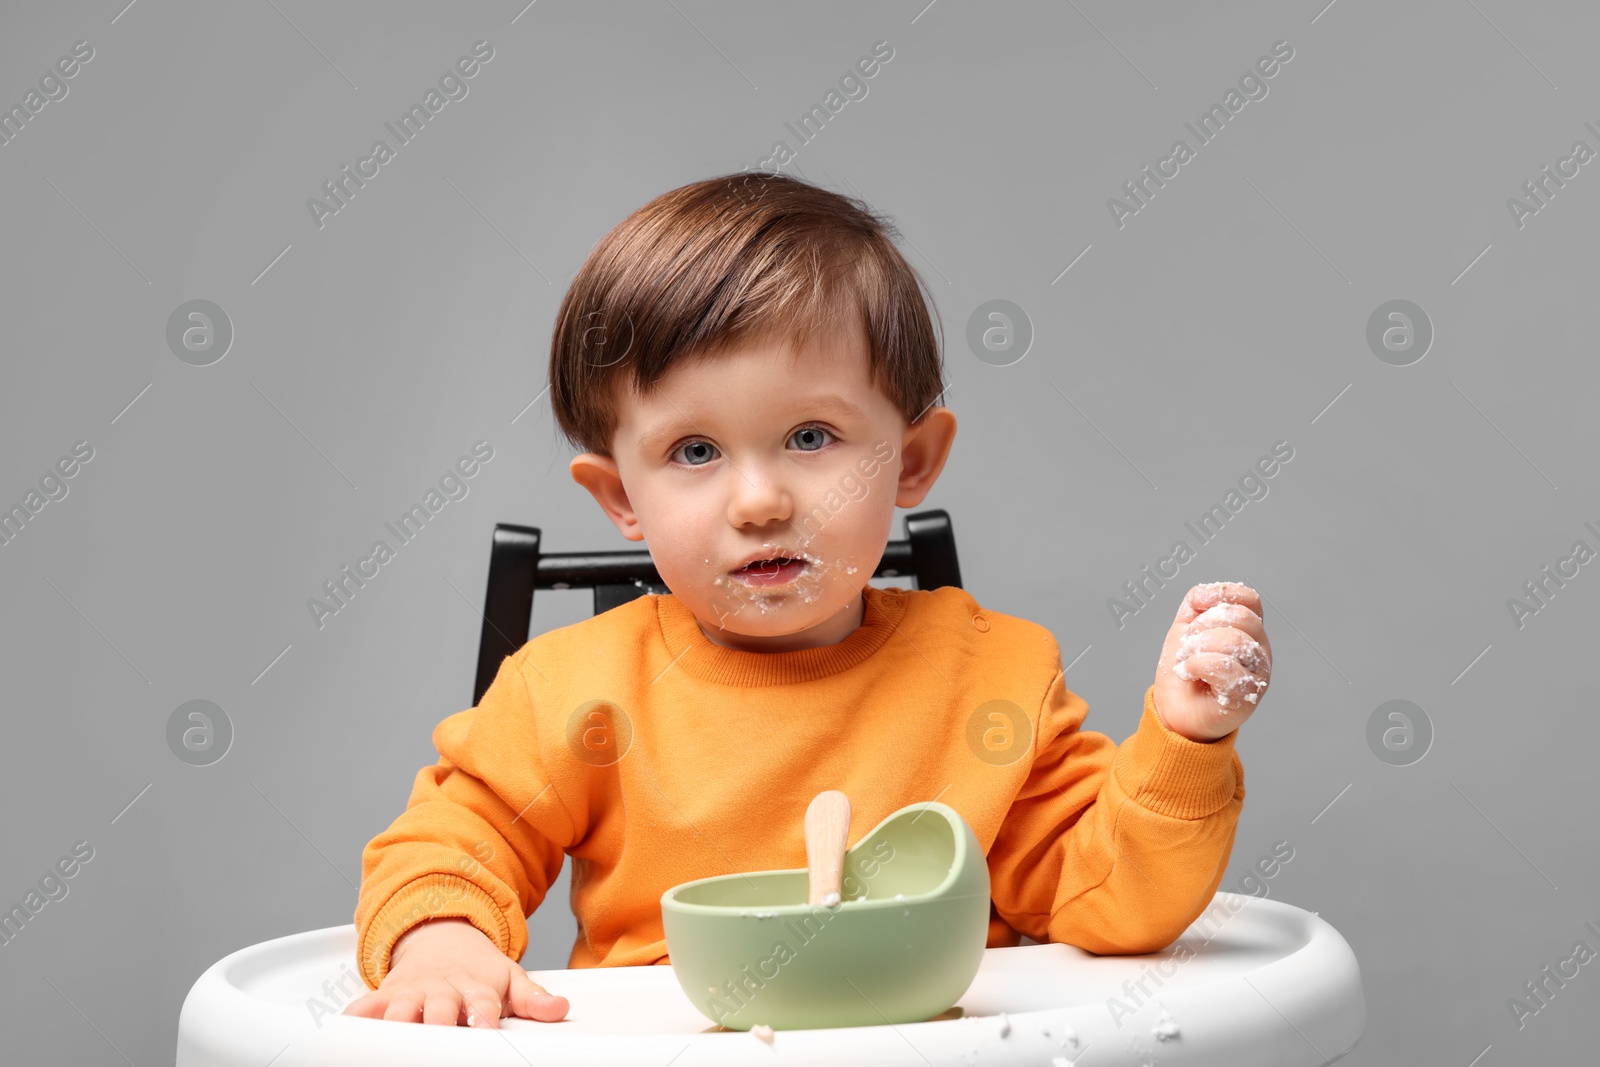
(434,927)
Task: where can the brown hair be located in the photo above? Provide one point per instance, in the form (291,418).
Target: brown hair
(730,260)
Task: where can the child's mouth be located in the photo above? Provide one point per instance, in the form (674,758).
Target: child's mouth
(767,572)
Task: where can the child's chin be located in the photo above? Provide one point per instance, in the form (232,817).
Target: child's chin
(779,617)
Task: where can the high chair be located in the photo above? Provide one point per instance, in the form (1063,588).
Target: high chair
(1252,982)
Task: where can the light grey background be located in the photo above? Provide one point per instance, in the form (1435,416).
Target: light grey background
(1228,314)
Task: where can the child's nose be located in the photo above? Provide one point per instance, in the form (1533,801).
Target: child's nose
(756,496)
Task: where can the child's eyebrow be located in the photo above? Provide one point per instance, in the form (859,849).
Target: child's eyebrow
(828,404)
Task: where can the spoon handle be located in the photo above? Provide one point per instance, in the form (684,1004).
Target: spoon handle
(827,837)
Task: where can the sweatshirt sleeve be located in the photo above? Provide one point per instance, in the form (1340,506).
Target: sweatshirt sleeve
(482,836)
(1115,849)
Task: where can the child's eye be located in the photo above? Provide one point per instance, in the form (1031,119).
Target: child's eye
(814,438)
(816,433)
(694,444)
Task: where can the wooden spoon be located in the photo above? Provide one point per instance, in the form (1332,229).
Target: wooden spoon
(827,837)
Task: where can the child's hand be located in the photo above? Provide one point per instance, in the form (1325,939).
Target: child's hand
(1215,663)
(445,971)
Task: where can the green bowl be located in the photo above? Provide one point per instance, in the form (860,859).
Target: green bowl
(902,946)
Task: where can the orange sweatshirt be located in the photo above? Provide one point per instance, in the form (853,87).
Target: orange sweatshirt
(651,757)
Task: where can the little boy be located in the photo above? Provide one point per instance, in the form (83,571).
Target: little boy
(751,371)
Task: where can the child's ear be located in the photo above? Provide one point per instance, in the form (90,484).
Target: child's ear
(922,455)
(600,476)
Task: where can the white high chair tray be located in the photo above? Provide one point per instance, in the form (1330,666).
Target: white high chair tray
(1275,986)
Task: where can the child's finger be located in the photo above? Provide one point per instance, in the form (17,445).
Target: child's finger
(369,1006)
(529,1000)
(404,1007)
(479,1005)
(1209,594)
(1231,641)
(1229,614)
(1234,617)
(1231,685)
(441,1006)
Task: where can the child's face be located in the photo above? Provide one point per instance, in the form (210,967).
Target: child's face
(744,456)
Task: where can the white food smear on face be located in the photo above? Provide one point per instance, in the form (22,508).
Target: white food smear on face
(762,1031)
(807,586)
(1166,1028)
